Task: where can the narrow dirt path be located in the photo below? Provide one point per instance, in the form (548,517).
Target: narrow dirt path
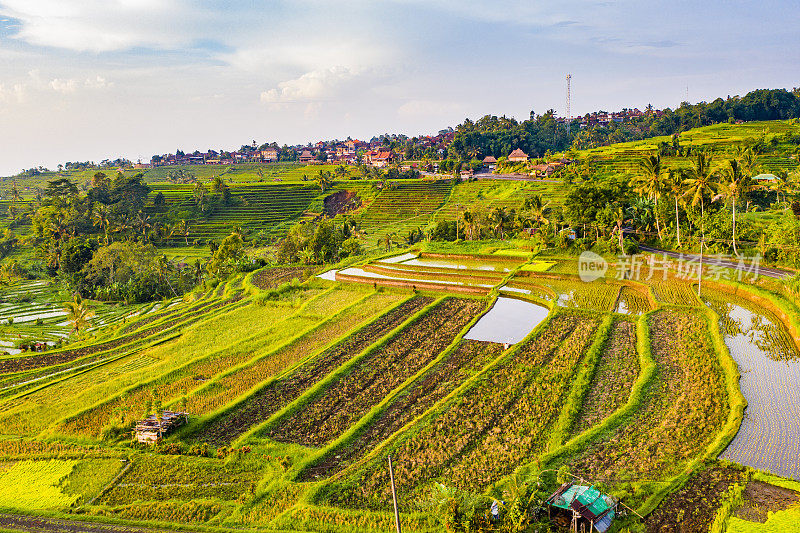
(39,523)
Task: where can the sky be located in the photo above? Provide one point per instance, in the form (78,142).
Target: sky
(94,79)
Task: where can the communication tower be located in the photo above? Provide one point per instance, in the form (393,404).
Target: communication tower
(568,117)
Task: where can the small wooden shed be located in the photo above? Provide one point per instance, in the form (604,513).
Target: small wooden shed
(583,507)
(154,428)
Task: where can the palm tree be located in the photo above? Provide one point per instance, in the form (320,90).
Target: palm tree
(182,228)
(734,184)
(675,184)
(642,213)
(102,218)
(388,239)
(537,210)
(323,179)
(650,182)
(700,182)
(78,314)
(619,219)
(468,220)
(780,184)
(499,219)
(307,256)
(748,160)
(143,223)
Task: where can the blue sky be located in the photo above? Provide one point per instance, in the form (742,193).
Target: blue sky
(90,79)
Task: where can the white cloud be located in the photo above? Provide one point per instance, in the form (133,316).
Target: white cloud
(98,82)
(311,86)
(16,94)
(63,86)
(102,25)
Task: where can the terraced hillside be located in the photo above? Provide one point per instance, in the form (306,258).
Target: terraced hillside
(255,207)
(720,139)
(37,313)
(407,206)
(296,399)
(489,194)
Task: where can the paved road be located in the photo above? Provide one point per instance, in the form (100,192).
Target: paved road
(727,263)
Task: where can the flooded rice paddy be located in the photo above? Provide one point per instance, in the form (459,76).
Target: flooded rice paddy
(508,321)
(460,264)
(769,437)
(352,271)
(329,275)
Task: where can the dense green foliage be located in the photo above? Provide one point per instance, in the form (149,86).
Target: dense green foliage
(541,134)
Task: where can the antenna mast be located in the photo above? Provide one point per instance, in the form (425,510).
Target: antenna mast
(569,114)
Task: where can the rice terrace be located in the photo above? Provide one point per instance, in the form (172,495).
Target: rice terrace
(271,394)
(562,323)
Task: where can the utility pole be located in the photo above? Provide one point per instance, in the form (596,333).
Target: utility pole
(700,271)
(394,497)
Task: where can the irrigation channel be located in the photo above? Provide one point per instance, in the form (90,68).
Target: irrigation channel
(769,437)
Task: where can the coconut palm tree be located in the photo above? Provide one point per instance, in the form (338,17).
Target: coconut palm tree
(181,228)
(748,160)
(499,219)
(388,239)
(650,182)
(641,214)
(675,179)
(323,179)
(78,314)
(734,184)
(699,184)
(537,210)
(143,223)
(468,223)
(619,221)
(307,256)
(780,184)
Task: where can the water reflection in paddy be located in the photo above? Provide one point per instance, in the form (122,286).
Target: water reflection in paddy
(769,437)
(352,271)
(398,258)
(508,321)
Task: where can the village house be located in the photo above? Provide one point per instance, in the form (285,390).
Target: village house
(379,158)
(489,162)
(548,169)
(306,156)
(269,155)
(517,156)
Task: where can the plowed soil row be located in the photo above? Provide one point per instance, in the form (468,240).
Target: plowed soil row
(353,395)
(694,506)
(439,448)
(683,409)
(280,393)
(269,278)
(611,386)
(469,358)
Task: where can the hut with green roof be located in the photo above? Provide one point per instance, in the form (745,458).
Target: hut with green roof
(583,507)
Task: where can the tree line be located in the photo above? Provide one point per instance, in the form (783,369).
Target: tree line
(498,136)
